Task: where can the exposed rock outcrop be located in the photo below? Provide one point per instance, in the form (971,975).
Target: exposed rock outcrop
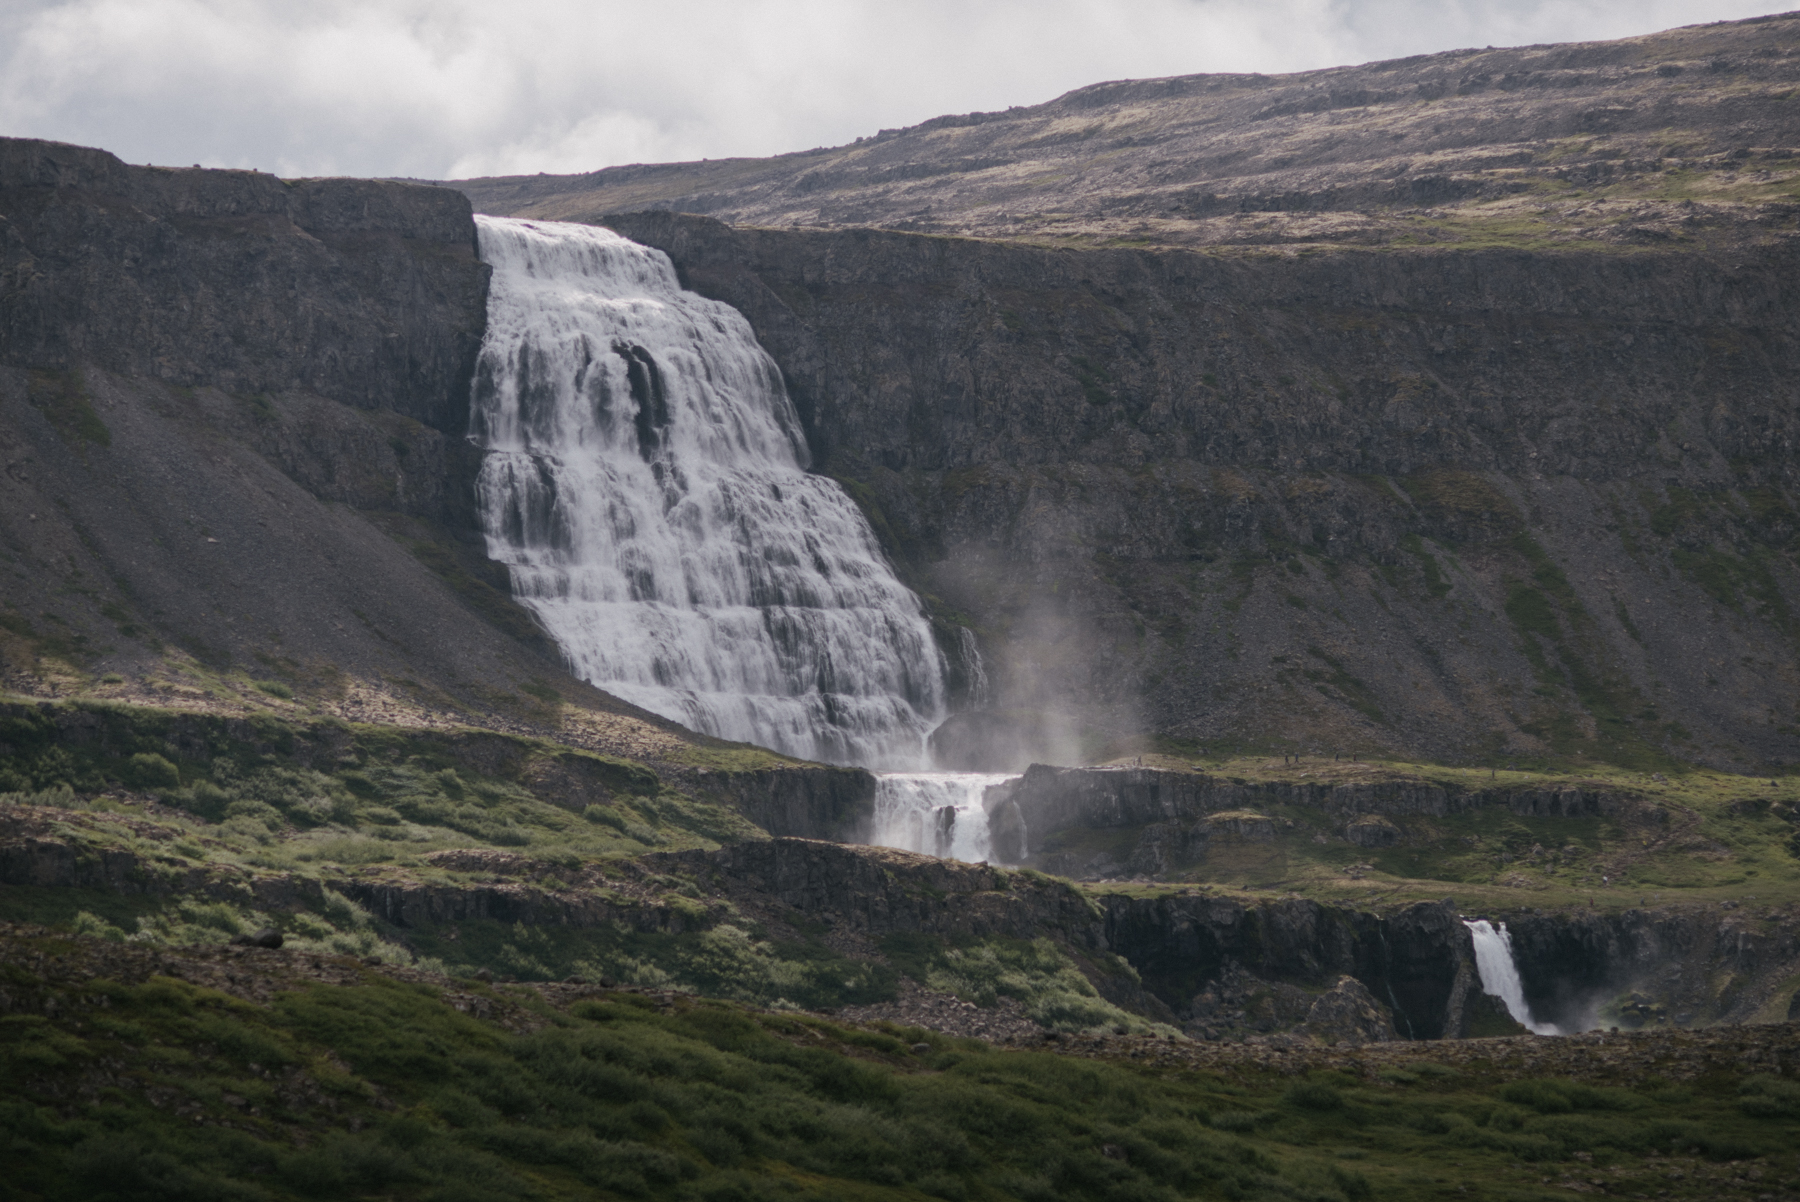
(879,890)
(1348,1013)
(1417,962)
(1181,812)
(805,801)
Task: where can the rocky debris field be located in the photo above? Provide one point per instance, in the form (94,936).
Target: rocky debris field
(916,1006)
(1616,1057)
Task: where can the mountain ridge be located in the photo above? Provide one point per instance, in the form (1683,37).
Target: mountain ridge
(1450,149)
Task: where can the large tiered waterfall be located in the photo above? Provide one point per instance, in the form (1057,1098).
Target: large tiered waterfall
(1499,973)
(645,483)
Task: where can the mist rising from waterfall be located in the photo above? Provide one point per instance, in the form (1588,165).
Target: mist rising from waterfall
(1500,973)
(645,484)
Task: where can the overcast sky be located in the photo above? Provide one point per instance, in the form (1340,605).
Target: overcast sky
(452,88)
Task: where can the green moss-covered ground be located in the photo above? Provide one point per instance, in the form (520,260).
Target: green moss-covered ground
(384,1088)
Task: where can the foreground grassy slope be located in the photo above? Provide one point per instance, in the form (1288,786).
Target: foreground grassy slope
(121,1083)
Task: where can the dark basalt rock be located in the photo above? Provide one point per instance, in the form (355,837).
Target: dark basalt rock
(267,937)
(804,801)
(1220,496)
(1417,963)
(1696,964)
(361,291)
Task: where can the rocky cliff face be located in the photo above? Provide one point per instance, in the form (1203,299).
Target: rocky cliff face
(1175,814)
(1470,504)
(1659,965)
(1467,505)
(1195,952)
(807,802)
(1221,965)
(363,292)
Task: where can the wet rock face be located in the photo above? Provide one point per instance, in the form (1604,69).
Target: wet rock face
(1007,835)
(359,291)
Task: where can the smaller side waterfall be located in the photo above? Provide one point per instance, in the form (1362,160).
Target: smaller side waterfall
(1500,973)
(970,651)
(935,813)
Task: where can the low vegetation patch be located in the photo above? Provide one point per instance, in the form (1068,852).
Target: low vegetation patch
(1034,972)
(395,1089)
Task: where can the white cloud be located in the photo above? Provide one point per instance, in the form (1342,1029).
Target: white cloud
(458,87)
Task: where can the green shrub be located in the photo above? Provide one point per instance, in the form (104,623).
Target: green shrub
(1313,1095)
(1036,972)
(61,795)
(629,1096)
(275,688)
(205,800)
(1769,1098)
(1545,1097)
(147,770)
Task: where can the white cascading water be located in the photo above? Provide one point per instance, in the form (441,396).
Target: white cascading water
(645,483)
(936,813)
(1500,973)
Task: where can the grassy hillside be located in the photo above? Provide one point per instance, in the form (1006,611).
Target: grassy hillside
(386,1084)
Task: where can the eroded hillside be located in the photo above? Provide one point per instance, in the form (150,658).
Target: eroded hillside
(1683,138)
